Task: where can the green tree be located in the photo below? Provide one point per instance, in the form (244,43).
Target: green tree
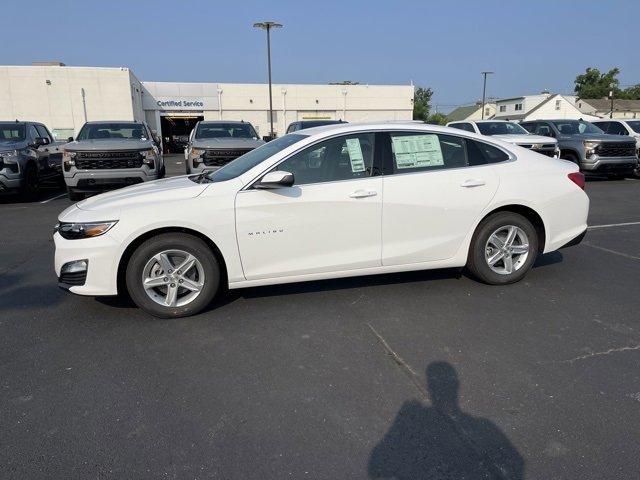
(632,93)
(421,103)
(594,84)
(437,119)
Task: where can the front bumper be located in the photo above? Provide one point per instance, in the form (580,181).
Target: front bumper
(96,180)
(10,183)
(595,164)
(102,254)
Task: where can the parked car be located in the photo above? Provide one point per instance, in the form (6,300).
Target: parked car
(111,154)
(588,146)
(301,125)
(309,207)
(511,132)
(213,144)
(622,127)
(29,158)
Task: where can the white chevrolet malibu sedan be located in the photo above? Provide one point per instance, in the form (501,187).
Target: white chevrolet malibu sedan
(326,202)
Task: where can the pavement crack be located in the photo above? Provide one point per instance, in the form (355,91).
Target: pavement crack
(599,354)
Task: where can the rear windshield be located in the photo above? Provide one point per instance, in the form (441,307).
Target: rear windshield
(112,131)
(256,156)
(11,132)
(225,130)
(500,128)
(318,123)
(574,127)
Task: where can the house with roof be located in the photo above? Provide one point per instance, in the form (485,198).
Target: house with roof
(540,107)
(601,107)
(472,112)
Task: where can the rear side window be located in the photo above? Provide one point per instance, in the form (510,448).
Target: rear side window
(616,128)
(491,154)
(422,151)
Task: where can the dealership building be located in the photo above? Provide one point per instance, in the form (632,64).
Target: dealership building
(64,97)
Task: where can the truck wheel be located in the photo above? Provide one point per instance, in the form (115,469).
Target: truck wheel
(31,187)
(173,275)
(74,196)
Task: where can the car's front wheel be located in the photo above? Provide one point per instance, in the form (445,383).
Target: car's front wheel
(503,249)
(173,275)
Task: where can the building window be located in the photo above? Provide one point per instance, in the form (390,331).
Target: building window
(486,112)
(518,107)
(503,108)
(557,104)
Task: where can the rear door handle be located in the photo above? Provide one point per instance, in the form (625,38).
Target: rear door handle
(472,182)
(363,194)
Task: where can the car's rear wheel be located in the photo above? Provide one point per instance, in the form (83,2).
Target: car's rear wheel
(503,249)
(173,275)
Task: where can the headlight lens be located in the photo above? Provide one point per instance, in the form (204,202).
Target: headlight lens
(9,160)
(196,152)
(149,156)
(590,145)
(76,231)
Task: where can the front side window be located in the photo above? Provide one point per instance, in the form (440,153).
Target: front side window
(500,128)
(207,130)
(635,125)
(346,157)
(32,132)
(42,132)
(246,162)
(12,132)
(113,131)
(575,127)
(616,128)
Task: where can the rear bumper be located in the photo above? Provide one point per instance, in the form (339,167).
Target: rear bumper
(576,240)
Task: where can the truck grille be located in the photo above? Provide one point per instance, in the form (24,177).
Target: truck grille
(108,160)
(218,158)
(616,149)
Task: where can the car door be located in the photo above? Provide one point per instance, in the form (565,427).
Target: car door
(435,188)
(328,221)
(51,151)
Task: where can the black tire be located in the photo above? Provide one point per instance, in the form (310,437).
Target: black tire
(166,242)
(74,196)
(478,265)
(31,187)
(572,157)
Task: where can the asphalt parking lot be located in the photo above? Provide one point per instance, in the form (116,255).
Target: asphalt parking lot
(417,375)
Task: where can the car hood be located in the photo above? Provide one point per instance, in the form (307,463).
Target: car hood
(109,145)
(598,137)
(226,143)
(525,139)
(167,189)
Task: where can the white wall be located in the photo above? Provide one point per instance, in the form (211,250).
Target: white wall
(565,109)
(528,102)
(26,95)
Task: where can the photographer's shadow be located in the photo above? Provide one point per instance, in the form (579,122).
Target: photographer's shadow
(441,441)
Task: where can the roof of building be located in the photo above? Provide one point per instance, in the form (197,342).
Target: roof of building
(462,113)
(604,104)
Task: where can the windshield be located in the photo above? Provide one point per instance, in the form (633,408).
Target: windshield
(11,132)
(501,128)
(574,127)
(635,125)
(256,156)
(115,131)
(225,130)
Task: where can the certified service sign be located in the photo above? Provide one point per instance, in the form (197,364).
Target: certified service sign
(180,104)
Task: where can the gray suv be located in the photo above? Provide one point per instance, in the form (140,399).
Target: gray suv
(213,144)
(111,154)
(588,146)
(29,158)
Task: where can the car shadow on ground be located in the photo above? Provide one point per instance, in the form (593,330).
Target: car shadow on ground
(440,441)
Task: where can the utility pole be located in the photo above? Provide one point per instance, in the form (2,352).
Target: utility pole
(268,26)
(611,85)
(484,89)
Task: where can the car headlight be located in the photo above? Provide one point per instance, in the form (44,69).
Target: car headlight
(9,160)
(590,147)
(196,152)
(76,231)
(68,159)
(149,156)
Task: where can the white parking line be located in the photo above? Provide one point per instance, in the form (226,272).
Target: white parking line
(53,198)
(608,250)
(593,227)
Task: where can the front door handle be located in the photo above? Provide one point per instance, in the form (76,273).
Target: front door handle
(473,182)
(363,194)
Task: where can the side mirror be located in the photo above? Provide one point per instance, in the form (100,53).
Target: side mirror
(70,139)
(39,141)
(277,179)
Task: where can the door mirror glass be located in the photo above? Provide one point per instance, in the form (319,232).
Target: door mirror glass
(39,141)
(277,179)
(70,139)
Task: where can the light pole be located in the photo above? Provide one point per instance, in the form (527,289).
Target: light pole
(268,26)
(611,86)
(484,89)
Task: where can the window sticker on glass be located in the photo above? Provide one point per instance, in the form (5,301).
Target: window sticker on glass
(355,155)
(417,151)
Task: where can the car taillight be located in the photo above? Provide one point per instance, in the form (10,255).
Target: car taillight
(577,178)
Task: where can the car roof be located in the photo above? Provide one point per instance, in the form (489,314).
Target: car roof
(382,125)
(102,122)
(239,122)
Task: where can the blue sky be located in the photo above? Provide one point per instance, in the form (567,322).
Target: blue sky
(531,45)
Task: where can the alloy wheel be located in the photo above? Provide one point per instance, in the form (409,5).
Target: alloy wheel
(507,249)
(173,278)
